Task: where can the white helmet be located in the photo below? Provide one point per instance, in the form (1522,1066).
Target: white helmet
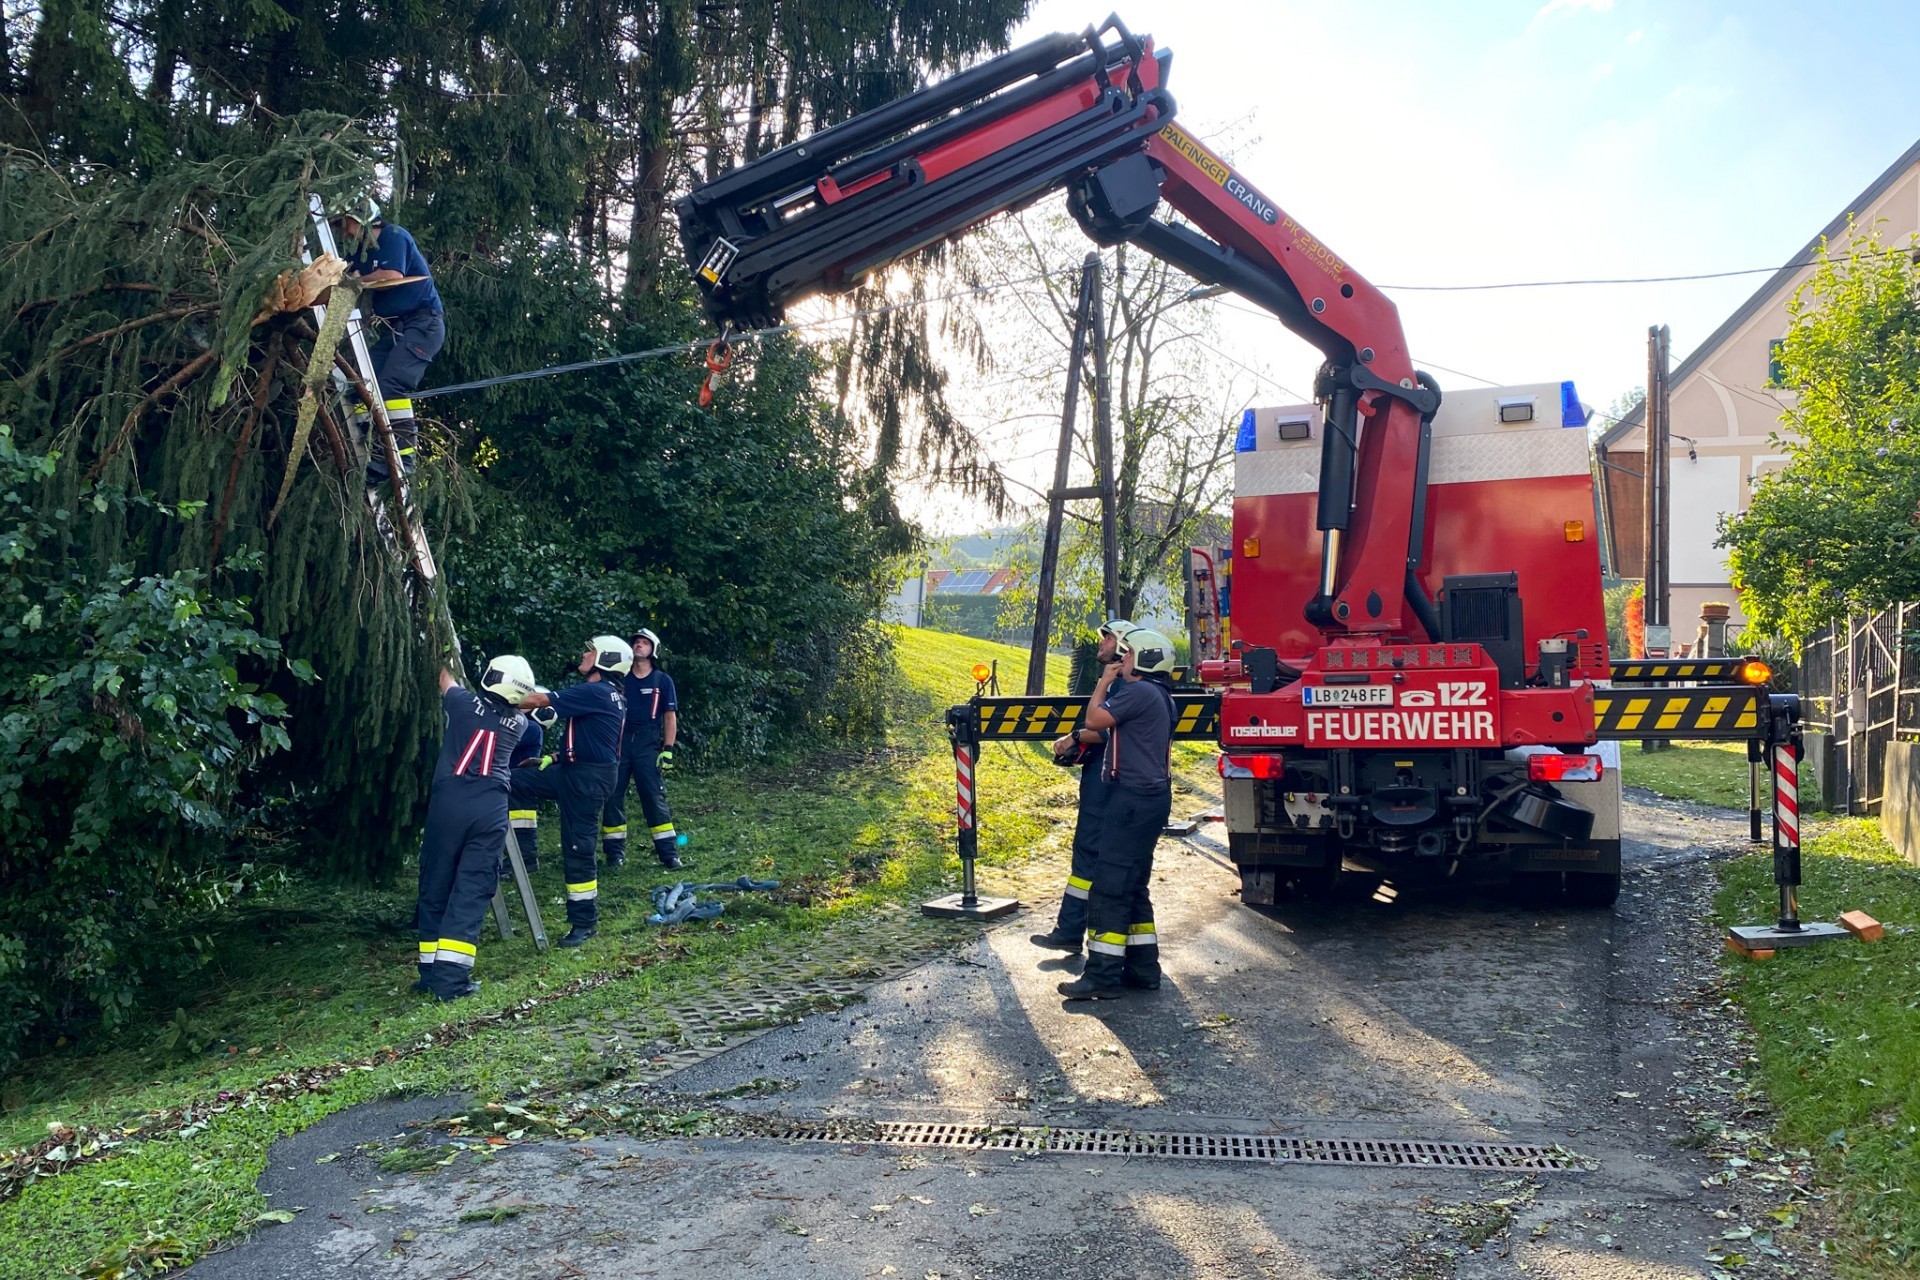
(612,654)
(509,678)
(650,638)
(360,206)
(1152,651)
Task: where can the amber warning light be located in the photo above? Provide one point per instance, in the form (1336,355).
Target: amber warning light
(1754,671)
(980,672)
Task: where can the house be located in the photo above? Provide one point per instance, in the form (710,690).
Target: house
(1726,401)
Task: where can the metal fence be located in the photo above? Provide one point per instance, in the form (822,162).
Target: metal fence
(1860,682)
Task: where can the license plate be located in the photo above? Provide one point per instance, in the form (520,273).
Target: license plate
(1348,695)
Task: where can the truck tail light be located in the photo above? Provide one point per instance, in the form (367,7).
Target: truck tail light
(1262,764)
(1559,767)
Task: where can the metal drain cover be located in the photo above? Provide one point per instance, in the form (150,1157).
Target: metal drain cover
(1402,1153)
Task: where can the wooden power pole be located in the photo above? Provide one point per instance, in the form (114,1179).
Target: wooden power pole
(1089,322)
(1657,484)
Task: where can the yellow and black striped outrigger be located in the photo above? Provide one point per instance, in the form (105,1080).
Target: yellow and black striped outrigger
(1737,712)
(1768,722)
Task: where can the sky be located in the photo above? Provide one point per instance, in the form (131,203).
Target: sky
(1442,142)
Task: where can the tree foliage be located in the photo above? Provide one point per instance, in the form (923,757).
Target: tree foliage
(131,706)
(1837,529)
(156,159)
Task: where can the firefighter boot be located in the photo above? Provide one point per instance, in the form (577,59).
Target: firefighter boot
(667,849)
(1057,941)
(577,935)
(1102,977)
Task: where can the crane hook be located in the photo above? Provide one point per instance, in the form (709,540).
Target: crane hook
(719,356)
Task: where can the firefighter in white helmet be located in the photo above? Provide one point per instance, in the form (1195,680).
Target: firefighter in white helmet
(646,752)
(1083,748)
(587,760)
(467,821)
(1133,704)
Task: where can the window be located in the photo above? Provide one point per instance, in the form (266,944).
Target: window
(1776,369)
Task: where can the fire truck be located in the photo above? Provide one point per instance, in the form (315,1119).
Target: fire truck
(1418,681)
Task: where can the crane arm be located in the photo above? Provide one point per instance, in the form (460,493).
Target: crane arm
(1092,116)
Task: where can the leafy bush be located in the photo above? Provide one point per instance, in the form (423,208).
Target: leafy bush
(125,726)
(735,534)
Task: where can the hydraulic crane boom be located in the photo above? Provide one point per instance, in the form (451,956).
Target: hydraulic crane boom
(1093,118)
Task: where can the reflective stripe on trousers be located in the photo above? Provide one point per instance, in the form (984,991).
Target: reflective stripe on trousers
(454,951)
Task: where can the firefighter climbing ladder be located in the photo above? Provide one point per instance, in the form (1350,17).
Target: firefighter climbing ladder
(372,428)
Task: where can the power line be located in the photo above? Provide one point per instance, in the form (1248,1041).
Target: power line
(1610,280)
(686,348)
(1606,280)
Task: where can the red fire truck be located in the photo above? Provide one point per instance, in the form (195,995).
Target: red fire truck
(1416,683)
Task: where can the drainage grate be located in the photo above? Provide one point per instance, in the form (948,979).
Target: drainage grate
(1255,1148)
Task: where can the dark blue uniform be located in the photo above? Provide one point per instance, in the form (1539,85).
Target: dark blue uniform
(649,698)
(415,327)
(525,823)
(1121,943)
(586,755)
(412,330)
(1072,921)
(466,830)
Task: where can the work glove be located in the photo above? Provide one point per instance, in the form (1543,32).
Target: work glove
(545,717)
(666,759)
(545,761)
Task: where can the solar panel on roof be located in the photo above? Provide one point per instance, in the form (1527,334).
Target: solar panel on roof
(967,582)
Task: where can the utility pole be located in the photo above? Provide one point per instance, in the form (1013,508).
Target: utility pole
(1657,484)
(1103,445)
(1088,321)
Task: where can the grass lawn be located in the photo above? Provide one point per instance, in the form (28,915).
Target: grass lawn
(1839,1028)
(1709,772)
(319,975)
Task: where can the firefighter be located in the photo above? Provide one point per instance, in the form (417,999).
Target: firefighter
(1133,704)
(646,752)
(408,314)
(586,765)
(467,822)
(531,750)
(1083,746)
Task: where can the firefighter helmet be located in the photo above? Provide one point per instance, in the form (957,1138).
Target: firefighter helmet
(509,678)
(650,638)
(611,654)
(1116,627)
(1152,652)
(360,206)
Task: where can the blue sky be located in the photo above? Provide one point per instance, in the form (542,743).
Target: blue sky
(1458,143)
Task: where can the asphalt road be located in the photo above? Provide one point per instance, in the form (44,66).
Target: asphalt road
(1426,1016)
